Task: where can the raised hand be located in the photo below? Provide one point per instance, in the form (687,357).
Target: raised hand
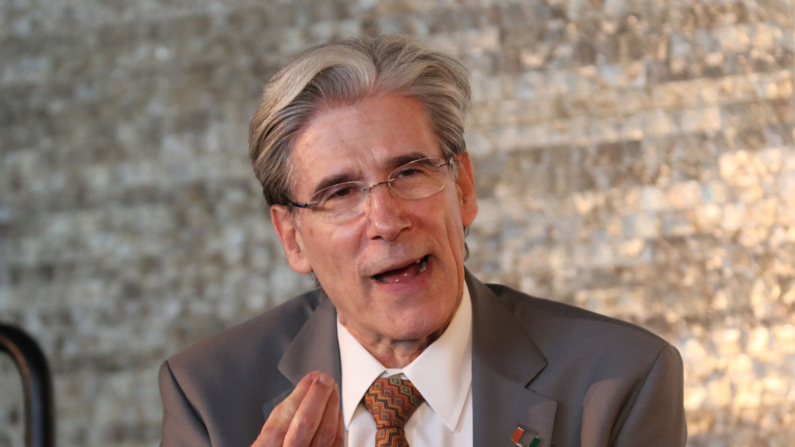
(309,417)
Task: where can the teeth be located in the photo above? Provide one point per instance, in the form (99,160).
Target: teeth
(424,265)
(418,261)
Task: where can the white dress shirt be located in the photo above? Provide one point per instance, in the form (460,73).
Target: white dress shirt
(442,374)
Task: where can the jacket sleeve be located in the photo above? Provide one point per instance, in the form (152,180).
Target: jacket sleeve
(657,416)
(182,424)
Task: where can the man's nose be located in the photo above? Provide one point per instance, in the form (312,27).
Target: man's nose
(386,213)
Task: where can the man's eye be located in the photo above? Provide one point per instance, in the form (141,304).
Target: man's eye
(408,172)
(415,169)
(342,192)
(339,192)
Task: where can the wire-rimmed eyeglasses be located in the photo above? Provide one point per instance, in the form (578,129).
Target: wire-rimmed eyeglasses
(415,180)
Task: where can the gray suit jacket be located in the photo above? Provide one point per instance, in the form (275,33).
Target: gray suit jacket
(568,375)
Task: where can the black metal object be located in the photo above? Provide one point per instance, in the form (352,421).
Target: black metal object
(39,421)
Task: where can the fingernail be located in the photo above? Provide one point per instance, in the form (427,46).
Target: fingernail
(326,380)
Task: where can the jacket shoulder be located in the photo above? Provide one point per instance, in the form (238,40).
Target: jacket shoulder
(601,346)
(564,318)
(265,336)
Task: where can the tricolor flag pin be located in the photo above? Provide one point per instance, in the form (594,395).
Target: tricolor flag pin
(517,437)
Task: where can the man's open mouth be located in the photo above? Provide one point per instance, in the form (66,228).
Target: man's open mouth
(403,273)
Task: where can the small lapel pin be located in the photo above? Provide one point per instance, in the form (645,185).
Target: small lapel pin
(517,438)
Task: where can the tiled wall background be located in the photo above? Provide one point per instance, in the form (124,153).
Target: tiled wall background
(635,157)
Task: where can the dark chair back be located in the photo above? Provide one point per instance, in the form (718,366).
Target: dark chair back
(39,422)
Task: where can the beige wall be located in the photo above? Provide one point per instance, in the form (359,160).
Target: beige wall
(632,157)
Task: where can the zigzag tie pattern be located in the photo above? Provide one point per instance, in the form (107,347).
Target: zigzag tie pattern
(392,401)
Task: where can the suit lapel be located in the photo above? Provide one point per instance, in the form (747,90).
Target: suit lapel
(315,348)
(504,362)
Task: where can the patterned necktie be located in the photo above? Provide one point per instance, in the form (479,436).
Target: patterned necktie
(392,401)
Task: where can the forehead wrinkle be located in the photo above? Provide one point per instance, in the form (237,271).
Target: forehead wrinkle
(309,138)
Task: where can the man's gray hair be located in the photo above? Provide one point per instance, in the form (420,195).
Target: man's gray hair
(344,73)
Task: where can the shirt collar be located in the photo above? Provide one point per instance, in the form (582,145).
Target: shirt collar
(442,373)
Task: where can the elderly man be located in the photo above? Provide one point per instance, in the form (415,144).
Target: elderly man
(360,151)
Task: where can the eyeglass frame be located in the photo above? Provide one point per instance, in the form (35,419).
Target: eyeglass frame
(387,182)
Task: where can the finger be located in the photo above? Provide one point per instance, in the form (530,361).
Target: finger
(339,440)
(275,428)
(309,414)
(327,430)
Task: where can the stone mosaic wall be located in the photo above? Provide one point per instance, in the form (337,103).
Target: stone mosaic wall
(633,157)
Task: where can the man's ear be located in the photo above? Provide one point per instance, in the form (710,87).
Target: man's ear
(467,197)
(290,236)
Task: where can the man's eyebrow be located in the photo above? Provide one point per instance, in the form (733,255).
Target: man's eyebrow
(333,180)
(402,159)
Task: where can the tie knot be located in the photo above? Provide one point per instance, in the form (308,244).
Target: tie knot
(392,401)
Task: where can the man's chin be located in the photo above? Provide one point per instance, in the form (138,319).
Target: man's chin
(420,328)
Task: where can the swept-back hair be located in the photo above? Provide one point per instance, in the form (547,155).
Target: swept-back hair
(344,73)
